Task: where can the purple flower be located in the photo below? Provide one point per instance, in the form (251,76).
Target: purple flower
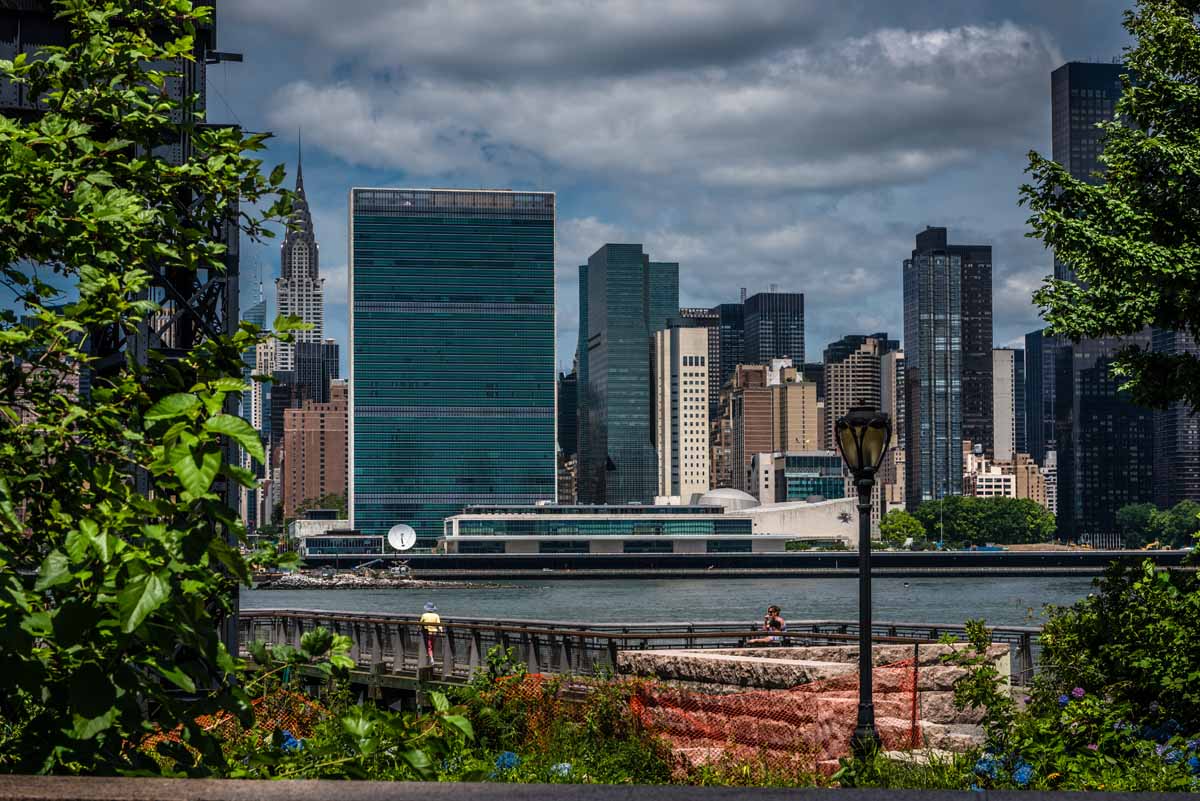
(1077,693)
(1062,700)
(1160,749)
(1192,745)
(1154,706)
(1093,747)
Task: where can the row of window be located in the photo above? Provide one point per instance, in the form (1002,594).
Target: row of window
(628,546)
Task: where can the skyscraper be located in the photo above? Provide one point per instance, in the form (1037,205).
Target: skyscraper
(710,321)
(1081,95)
(891,393)
(976,272)
(680,400)
(451,354)
(852,375)
(568,412)
(1105,444)
(933,369)
(300,288)
(629,297)
(316,366)
(774,327)
(1040,346)
(314,441)
(1008,403)
(1176,434)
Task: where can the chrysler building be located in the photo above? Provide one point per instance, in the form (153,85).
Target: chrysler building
(299,288)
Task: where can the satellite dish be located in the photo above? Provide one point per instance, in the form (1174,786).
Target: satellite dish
(402,537)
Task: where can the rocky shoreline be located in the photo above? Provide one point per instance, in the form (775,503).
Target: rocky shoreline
(350,581)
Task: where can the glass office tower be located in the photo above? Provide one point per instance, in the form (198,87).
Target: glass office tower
(452,370)
(933,369)
(628,298)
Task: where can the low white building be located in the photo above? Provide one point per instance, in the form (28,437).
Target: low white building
(722,521)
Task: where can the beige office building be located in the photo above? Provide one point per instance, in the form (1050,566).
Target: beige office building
(681,411)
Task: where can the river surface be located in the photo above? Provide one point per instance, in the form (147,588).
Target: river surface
(1000,601)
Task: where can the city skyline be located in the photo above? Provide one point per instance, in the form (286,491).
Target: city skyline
(982,68)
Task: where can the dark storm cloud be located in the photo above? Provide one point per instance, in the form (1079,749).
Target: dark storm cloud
(509,40)
(782,141)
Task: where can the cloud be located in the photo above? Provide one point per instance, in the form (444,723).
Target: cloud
(502,40)
(889,107)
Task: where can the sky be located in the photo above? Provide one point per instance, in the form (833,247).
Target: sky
(800,143)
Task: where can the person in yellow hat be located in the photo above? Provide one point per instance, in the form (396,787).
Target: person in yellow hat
(431,626)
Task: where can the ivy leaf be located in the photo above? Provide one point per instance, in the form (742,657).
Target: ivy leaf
(196,477)
(239,431)
(55,570)
(172,406)
(139,598)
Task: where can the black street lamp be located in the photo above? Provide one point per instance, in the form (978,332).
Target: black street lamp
(863,437)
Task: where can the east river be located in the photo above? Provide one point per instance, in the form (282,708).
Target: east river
(1000,601)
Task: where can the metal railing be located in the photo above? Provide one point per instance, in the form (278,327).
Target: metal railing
(392,643)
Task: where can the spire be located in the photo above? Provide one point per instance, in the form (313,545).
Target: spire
(300,161)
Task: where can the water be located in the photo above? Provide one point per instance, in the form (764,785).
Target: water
(1001,601)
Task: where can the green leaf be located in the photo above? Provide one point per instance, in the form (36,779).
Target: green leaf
(196,476)
(440,703)
(140,597)
(176,676)
(462,724)
(224,384)
(55,570)
(259,652)
(87,728)
(77,545)
(239,431)
(172,406)
(284,324)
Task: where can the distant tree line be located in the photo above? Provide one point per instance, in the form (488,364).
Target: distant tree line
(960,521)
(1143,523)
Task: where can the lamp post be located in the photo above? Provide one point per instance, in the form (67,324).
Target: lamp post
(863,436)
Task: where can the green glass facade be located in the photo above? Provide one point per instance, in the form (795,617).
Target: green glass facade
(452,369)
(805,475)
(626,299)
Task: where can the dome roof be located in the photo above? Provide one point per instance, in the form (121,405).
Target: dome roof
(729,499)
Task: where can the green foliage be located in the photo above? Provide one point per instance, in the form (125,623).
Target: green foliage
(1134,641)
(960,520)
(1134,240)
(1136,523)
(118,551)
(332,500)
(898,526)
(365,742)
(1142,524)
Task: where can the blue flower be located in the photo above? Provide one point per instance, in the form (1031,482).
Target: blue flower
(986,766)
(507,760)
(1063,700)
(290,743)
(1194,765)
(1193,745)
(561,769)
(1023,773)
(1173,756)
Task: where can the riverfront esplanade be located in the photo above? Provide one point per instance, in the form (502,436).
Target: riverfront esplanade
(451,354)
